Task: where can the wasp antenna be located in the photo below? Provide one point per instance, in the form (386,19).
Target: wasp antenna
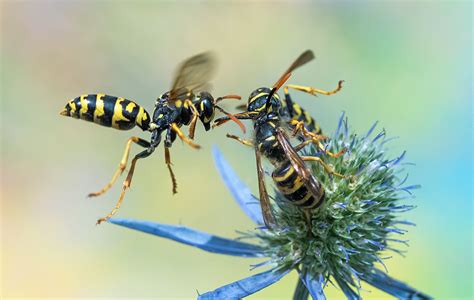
(237,97)
(277,86)
(280,82)
(233,118)
(219,122)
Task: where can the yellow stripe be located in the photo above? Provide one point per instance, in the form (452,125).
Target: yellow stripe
(257,96)
(285,176)
(207,120)
(84,104)
(99,107)
(297,109)
(270,138)
(73,107)
(141,116)
(130,107)
(290,190)
(308,118)
(118,114)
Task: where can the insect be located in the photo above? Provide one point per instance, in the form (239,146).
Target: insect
(289,110)
(290,175)
(183,105)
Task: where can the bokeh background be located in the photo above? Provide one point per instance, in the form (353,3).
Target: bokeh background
(406,64)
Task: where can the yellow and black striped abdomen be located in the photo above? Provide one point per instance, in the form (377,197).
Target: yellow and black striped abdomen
(291,185)
(108,111)
(300,114)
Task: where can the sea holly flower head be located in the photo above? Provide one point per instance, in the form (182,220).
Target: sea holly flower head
(359,221)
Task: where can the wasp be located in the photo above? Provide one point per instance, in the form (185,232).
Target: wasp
(183,105)
(290,175)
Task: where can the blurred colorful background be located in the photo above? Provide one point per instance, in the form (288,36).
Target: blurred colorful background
(406,64)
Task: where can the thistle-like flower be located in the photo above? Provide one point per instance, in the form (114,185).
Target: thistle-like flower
(358,221)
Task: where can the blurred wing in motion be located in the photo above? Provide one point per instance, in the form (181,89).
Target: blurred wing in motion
(194,74)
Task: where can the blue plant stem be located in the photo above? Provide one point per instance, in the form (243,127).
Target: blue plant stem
(301,292)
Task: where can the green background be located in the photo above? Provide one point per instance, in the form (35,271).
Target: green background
(406,64)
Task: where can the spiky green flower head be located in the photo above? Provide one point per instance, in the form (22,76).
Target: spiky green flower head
(356,222)
(344,239)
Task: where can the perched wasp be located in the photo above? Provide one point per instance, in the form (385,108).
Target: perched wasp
(184,104)
(290,175)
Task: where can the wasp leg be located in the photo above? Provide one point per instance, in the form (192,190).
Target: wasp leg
(181,135)
(297,112)
(315,91)
(168,164)
(192,127)
(299,126)
(122,165)
(327,168)
(240,140)
(126,183)
(300,147)
(313,138)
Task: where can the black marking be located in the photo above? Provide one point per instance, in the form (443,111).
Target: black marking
(313,203)
(130,122)
(282,171)
(109,105)
(89,114)
(77,102)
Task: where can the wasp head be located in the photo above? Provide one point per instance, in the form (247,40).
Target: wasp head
(259,102)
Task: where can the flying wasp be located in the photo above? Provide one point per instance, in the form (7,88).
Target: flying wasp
(185,104)
(290,175)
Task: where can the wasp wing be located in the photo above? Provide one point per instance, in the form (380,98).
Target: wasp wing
(313,186)
(264,199)
(194,74)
